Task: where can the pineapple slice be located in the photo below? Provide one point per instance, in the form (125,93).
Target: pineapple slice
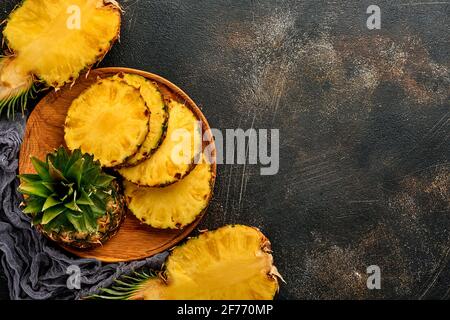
(174,206)
(108,120)
(177,154)
(54,41)
(158,116)
(231,263)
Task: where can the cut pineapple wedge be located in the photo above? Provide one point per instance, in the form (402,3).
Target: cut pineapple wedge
(176,155)
(159,115)
(174,206)
(231,263)
(55,40)
(108,120)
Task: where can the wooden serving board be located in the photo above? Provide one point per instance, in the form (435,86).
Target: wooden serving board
(45,132)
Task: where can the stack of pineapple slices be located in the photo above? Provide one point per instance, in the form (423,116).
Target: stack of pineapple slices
(124,122)
(109,120)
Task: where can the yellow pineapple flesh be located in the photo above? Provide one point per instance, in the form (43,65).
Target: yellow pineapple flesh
(230,263)
(14,81)
(158,115)
(176,205)
(108,120)
(176,155)
(54,40)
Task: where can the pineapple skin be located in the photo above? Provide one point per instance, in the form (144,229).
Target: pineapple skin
(109,225)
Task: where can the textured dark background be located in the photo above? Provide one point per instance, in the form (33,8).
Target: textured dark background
(364,124)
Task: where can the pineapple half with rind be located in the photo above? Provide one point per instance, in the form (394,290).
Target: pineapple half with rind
(53,41)
(177,154)
(231,263)
(108,120)
(176,205)
(159,115)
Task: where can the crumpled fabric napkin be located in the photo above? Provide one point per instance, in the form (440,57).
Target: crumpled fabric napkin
(34,267)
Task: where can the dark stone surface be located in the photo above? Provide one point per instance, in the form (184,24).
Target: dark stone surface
(364,125)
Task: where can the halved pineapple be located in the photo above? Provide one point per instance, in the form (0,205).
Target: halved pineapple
(231,263)
(54,41)
(159,115)
(108,120)
(177,154)
(174,206)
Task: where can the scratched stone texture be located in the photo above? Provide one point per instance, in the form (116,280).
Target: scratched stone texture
(364,127)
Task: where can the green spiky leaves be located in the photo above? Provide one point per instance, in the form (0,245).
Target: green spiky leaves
(18,101)
(16,87)
(127,287)
(68,192)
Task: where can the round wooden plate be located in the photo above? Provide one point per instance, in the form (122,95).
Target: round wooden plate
(45,132)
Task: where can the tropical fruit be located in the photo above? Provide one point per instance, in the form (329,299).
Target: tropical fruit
(177,154)
(52,42)
(176,205)
(159,115)
(231,263)
(71,200)
(108,120)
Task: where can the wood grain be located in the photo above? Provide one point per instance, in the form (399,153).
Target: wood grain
(45,132)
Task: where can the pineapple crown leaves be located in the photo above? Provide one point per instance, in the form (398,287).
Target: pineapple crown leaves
(126,287)
(68,192)
(18,101)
